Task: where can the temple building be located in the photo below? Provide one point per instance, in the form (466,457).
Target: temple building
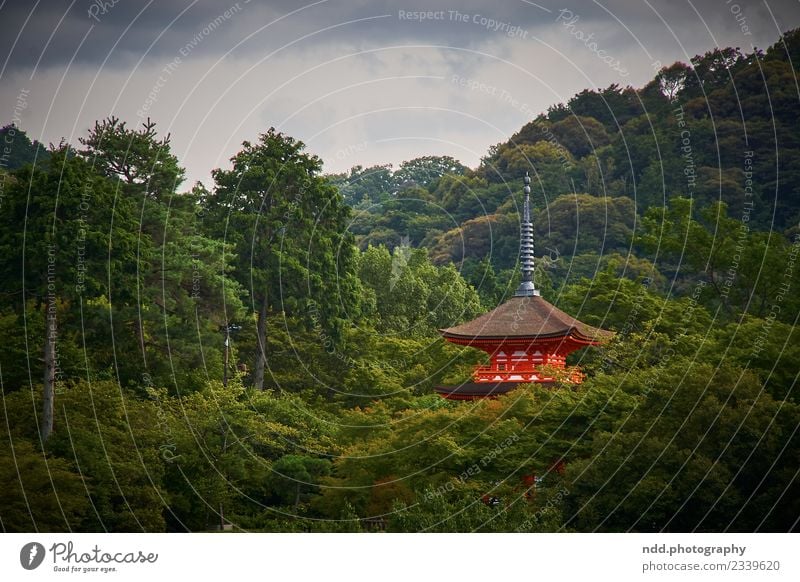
(527,338)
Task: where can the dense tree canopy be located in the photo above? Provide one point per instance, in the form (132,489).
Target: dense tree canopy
(261,354)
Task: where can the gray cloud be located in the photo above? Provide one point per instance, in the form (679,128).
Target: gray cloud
(354,78)
(55,32)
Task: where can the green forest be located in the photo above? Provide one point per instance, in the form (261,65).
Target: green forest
(259,353)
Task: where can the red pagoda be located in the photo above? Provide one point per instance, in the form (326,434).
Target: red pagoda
(521,336)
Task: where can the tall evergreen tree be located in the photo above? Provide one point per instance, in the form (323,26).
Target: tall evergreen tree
(288,225)
(65,241)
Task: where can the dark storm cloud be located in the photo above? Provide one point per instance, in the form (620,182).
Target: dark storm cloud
(51,33)
(55,32)
(344,75)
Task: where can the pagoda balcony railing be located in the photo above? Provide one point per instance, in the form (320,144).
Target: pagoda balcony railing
(527,373)
(515,368)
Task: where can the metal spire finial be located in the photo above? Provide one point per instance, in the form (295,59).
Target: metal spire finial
(526,287)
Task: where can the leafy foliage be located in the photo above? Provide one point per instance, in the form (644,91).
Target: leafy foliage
(262,355)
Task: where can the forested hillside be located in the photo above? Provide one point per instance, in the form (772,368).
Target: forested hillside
(259,353)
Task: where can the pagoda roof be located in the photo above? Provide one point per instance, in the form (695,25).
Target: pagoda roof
(526,318)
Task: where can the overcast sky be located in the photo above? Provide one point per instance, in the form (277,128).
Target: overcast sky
(359,81)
